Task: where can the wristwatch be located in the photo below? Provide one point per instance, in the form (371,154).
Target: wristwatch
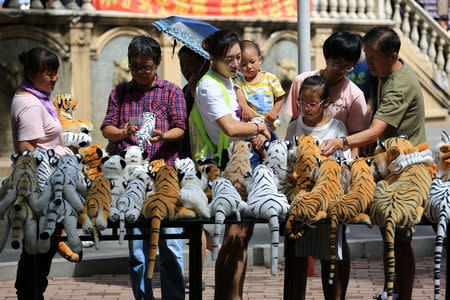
(344,143)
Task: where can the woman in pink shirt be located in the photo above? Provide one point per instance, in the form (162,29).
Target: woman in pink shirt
(342,51)
(35,125)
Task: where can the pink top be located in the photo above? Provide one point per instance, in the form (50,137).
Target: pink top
(348,104)
(30,120)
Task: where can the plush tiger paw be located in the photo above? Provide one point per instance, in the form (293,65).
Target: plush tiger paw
(68,254)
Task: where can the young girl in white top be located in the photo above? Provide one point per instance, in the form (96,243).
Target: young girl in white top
(313,100)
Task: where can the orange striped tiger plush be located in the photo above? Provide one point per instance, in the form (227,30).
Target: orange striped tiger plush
(65,104)
(96,208)
(92,157)
(307,154)
(239,164)
(164,203)
(211,172)
(399,199)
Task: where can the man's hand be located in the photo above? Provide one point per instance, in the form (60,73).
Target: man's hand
(128,130)
(157,136)
(331,146)
(258,142)
(264,131)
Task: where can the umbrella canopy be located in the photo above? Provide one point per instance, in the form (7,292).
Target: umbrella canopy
(189,32)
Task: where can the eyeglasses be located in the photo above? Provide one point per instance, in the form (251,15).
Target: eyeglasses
(311,105)
(144,68)
(339,66)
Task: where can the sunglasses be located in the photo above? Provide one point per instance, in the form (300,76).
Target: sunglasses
(144,68)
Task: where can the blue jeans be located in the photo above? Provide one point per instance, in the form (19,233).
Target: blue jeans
(170,264)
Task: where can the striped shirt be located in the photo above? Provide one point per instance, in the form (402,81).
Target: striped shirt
(261,95)
(164,99)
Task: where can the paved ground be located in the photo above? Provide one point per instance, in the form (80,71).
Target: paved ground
(365,282)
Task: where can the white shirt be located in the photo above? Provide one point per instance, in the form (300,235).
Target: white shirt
(331,130)
(212,106)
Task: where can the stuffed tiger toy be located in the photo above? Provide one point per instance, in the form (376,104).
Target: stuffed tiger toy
(65,104)
(354,206)
(144,134)
(226,202)
(310,207)
(442,157)
(44,169)
(63,196)
(22,183)
(306,155)
(192,194)
(22,218)
(76,139)
(437,211)
(265,202)
(210,172)
(128,205)
(398,198)
(113,168)
(239,164)
(164,203)
(185,165)
(92,158)
(96,210)
(280,158)
(134,156)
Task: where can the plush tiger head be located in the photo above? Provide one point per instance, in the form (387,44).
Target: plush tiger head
(134,155)
(394,154)
(166,180)
(185,165)
(93,155)
(113,166)
(211,171)
(307,155)
(65,103)
(279,157)
(155,165)
(345,173)
(239,149)
(442,156)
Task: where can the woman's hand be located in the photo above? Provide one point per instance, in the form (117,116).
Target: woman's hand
(158,136)
(128,130)
(331,146)
(258,142)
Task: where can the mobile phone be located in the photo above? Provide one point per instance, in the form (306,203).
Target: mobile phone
(134,121)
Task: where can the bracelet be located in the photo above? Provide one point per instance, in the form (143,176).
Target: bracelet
(344,143)
(257,128)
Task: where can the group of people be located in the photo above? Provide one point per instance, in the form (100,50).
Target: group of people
(223,107)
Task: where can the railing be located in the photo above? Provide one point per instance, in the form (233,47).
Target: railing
(55,4)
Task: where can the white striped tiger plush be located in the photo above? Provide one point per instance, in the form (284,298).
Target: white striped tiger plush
(128,205)
(63,195)
(144,134)
(442,157)
(192,192)
(399,198)
(185,165)
(226,202)
(44,169)
(113,168)
(282,160)
(134,156)
(77,140)
(437,211)
(265,202)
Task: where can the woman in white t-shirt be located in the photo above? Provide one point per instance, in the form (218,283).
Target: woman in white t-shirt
(35,124)
(214,90)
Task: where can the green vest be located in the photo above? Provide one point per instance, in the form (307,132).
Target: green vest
(201,144)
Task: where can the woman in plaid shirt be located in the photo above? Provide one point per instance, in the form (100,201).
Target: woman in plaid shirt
(147,92)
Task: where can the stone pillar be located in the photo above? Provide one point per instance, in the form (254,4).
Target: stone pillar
(170,66)
(80,40)
(253,34)
(318,37)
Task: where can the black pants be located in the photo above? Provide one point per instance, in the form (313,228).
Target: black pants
(32,272)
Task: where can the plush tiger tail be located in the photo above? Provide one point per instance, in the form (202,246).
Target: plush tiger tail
(96,235)
(440,235)
(274,228)
(333,246)
(121,227)
(52,218)
(218,224)
(389,238)
(67,253)
(5,227)
(154,239)
(17,222)
(290,224)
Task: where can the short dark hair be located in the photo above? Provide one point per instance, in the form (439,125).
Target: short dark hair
(38,60)
(144,45)
(192,53)
(344,45)
(246,44)
(218,43)
(318,84)
(388,40)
